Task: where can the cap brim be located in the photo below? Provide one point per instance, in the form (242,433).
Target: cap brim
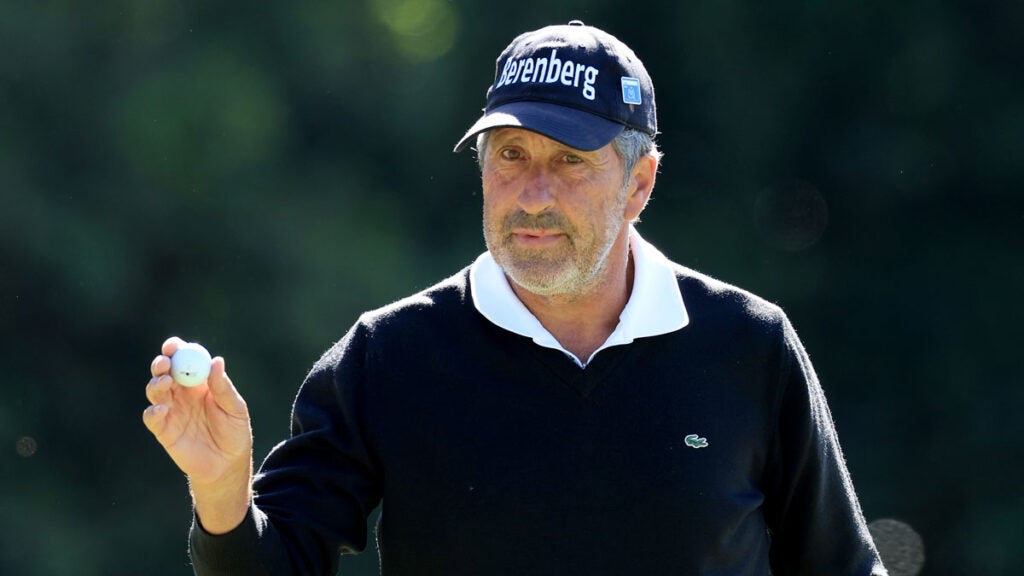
(575,128)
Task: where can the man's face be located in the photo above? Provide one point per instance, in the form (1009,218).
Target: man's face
(552,214)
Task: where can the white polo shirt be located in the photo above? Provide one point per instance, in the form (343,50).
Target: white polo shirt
(655,306)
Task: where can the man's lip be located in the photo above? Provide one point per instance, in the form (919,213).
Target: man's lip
(536,233)
(542,238)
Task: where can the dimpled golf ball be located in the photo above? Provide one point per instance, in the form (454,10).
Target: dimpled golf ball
(190,364)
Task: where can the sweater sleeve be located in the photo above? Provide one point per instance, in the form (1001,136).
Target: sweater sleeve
(315,490)
(813,514)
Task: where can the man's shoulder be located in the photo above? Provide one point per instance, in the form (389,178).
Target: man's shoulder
(405,324)
(441,300)
(708,298)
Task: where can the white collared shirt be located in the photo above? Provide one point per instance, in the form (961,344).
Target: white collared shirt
(655,306)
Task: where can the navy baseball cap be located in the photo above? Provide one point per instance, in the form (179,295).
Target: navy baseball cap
(573,83)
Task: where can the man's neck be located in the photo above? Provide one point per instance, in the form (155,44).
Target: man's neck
(582,322)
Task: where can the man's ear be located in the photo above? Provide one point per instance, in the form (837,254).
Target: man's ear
(641,184)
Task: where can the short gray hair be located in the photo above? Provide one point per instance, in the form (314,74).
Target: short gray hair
(630,145)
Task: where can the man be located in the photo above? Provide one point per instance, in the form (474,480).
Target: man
(571,403)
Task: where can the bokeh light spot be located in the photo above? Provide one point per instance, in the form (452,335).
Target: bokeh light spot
(422,30)
(791,216)
(901,548)
(26,446)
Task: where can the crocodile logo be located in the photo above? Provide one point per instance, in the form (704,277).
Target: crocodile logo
(695,441)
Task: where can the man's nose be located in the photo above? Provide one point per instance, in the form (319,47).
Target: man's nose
(535,196)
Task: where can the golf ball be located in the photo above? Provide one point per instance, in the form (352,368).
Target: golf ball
(190,364)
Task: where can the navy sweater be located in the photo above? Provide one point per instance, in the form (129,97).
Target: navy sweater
(709,450)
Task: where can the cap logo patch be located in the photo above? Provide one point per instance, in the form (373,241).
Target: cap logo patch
(551,69)
(631,90)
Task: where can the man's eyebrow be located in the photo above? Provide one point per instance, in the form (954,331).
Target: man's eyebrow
(502,137)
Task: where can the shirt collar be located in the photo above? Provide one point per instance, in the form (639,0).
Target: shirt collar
(655,306)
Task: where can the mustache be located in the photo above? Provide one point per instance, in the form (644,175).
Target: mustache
(545,220)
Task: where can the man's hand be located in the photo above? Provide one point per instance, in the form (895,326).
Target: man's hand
(206,431)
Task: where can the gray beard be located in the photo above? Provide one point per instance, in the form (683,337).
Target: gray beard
(571,272)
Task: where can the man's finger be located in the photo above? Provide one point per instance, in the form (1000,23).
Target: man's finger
(158,390)
(224,391)
(155,418)
(170,346)
(160,365)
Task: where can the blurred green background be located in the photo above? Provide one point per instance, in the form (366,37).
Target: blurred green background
(253,176)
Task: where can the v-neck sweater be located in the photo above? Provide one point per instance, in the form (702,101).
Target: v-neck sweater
(706,450)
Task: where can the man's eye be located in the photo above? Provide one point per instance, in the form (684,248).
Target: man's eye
(510,154)
(572,159)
